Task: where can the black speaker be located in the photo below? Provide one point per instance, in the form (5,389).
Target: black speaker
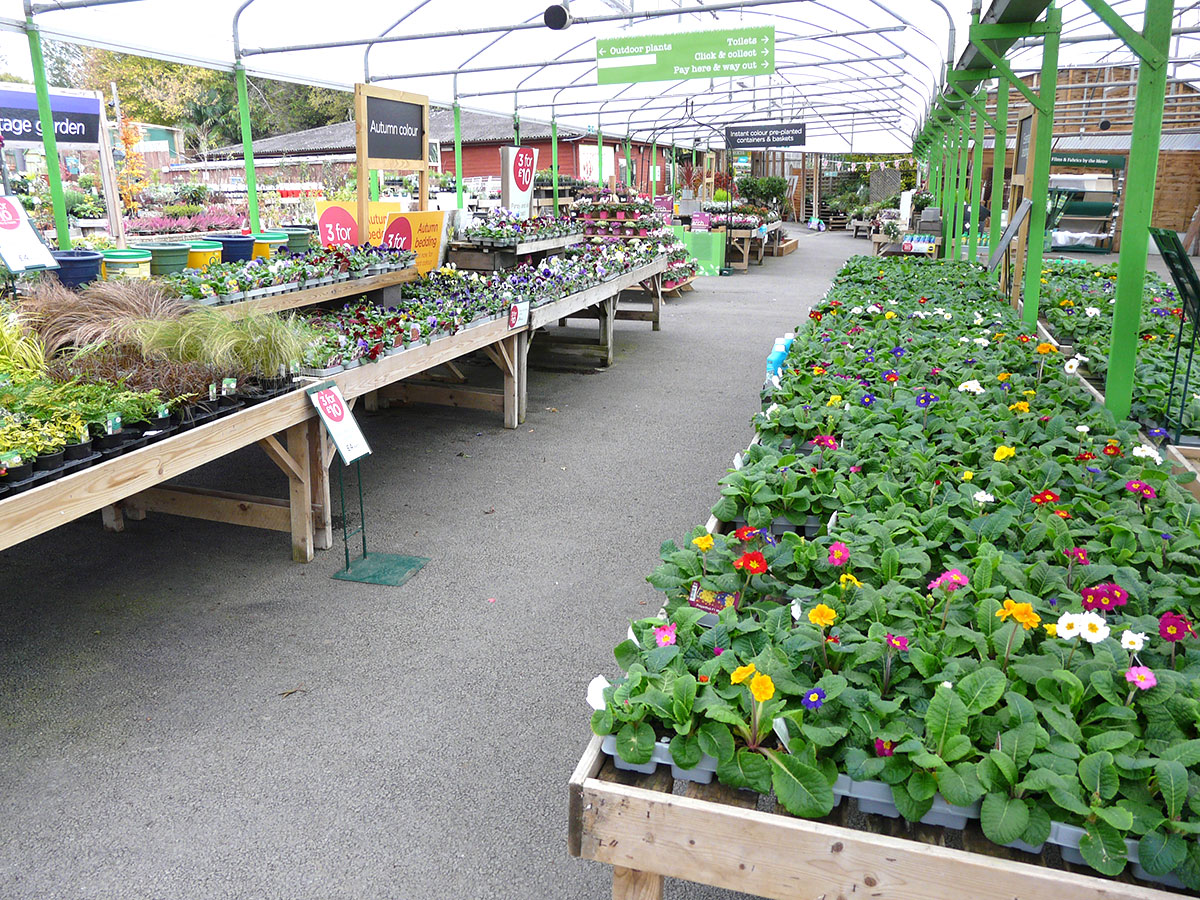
(557,17)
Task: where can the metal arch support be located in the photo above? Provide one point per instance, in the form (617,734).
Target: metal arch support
(384,33)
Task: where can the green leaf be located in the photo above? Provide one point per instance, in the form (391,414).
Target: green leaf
(1103,848)
(1003,818)
(602,722)
(1108,740)
(922,785)
(1038,828)
(1063,724)
(1173,783)
(746,769)
(726,509)
(862,767)
(924,662)
(1099,775)
(627,653)
(832,684)
(1116,816)
(982,689)
(959,785)
(957,747)
(1160,853)
(715,740)
(945,717)
(1186,752)
(823,735)
(635,743)
(910,807)
(685,750)
(889,564)
(1068,799)
(1007,767)
(683,693)
(802,791)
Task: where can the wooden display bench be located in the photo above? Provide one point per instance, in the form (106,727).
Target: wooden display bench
(477,258)
(325,293)
(678,290)
(750,245)
(713,835)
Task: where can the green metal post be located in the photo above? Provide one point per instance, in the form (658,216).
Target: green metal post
(599,158)
(517,128)
(1139,205)
(247,148)
(374,184)
(976,192)
(653,167)
(554,159)
(49,140)
(950,154)
(458,179)
(960,189)
(999,160)
(628,165)
(1039,187)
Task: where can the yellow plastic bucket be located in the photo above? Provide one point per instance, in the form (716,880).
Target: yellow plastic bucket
(126,264)
(268,243)
(202,254)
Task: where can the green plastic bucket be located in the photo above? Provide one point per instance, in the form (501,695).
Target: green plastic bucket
(166,258)
(268,243)
(126,263)
(299,239)
(202,254)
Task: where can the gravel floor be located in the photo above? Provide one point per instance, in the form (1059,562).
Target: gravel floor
(149,748)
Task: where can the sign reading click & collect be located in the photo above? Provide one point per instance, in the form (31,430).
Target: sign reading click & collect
(694,54)
(394,129)
(738,137)
(76,118)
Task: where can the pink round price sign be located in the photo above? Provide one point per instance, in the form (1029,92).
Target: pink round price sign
(8,215)
(398,235)
(331,405)
(337,226)
(523,168)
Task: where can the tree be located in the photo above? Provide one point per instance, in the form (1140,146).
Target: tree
(149,90)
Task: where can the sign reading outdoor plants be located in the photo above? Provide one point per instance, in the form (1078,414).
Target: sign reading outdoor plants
(693,54)
(339,421)
(420,232)
(516,188)
(766,135)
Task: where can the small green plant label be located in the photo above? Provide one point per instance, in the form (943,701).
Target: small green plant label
(228,387)
(163,412)
(212,391)
(112,423)
(9,460)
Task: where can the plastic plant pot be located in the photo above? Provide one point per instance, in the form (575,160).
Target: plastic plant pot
(874,798)
(166,258)
(77,267)
(235,247)
(202,254)
(268,243)
(126,263)
(299,239)
(949,816)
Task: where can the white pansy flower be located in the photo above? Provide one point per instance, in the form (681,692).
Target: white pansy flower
(595,691)
(1133,640)
(1068,626)
(984,497)
(1146,452)
(947,317)
(1091,312)
(1082,429)
(964,340)
(1092,627)
(982,342)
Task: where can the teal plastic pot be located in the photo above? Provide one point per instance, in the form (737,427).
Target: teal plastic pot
(165,258)
(298,239)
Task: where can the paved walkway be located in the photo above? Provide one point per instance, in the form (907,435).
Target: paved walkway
(150,747)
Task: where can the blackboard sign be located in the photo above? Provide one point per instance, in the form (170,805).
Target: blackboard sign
(1024,139)
(738,137)
(394,129)
(1009,233)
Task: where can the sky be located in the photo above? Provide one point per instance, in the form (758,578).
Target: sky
(884,110)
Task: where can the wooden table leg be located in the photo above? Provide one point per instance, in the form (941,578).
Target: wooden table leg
(630,884)
(608,317)
(300,493)
(320,451)
(657,302)
(113,517)
(512,388)
(522,361)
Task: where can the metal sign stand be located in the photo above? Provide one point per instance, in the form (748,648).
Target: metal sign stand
(371,568)
(1183,273)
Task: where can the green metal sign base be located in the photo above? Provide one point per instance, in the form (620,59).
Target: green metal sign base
(382,568)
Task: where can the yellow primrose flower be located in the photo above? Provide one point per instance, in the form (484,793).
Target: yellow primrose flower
(1019,406)
(1003,376)
(1044,348)
(834,400)
(741,673)
(1029,393)
(889,315)
(1044,281)
(704,542)
(762,687)
(968,475)
(1051,629)
(1002,453)
(1066,303)
(821,615)
(848,579)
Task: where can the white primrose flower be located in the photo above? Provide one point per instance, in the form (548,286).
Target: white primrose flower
(1068,626)
(857,311)
(1091,312)
(982,342)
(984,497)
(973,386)
(595,691)
(1146,452)
(947,684)
(1071,366)
(1082,429)
(947,317)
(1092,627)
(1133,640)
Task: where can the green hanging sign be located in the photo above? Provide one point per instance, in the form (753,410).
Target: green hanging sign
(694,54)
